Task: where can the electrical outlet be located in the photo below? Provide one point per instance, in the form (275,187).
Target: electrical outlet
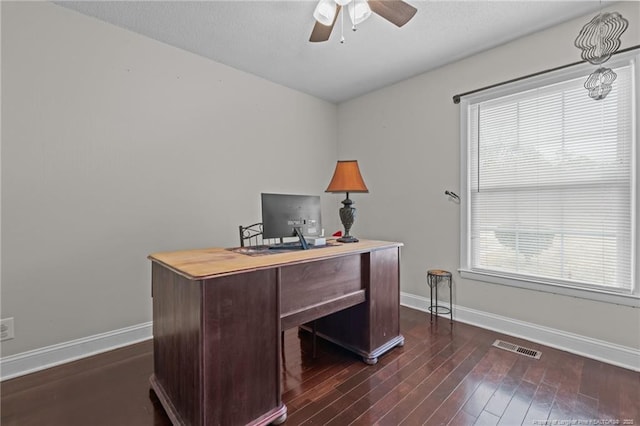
(6,329)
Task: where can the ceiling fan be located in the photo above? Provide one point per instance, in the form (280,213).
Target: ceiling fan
(326,13)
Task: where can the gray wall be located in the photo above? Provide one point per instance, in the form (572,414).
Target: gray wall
(115,146)
(407,140)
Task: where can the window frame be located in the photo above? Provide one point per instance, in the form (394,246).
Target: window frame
(494,277)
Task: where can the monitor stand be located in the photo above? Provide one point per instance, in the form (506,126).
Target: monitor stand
(303,242)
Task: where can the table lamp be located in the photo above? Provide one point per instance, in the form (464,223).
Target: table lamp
(347,178)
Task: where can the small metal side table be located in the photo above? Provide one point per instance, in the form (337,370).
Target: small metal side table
(434,276)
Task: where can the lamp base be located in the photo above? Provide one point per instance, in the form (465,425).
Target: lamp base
(347,216)
(348,239)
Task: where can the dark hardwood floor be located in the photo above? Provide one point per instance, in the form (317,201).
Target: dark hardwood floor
(443,375)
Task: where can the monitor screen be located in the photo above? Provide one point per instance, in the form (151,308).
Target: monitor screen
(282,213)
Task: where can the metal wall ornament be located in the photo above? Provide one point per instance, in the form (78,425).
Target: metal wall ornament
(598,40)
(600,37)
(599,83)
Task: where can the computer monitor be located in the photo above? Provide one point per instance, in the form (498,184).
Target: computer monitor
(286,215)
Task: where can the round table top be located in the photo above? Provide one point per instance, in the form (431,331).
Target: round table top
(439,272)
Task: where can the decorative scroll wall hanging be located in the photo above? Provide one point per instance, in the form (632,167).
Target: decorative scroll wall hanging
(598,40)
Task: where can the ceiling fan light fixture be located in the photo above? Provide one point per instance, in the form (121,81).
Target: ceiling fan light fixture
(359,11)
(398,12)
(325,12)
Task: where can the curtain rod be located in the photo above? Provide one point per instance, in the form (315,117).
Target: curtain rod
(456,98)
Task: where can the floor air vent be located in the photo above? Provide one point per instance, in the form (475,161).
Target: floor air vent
(531,353)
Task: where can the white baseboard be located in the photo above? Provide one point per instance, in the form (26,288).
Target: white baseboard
(600,350)
(50,356)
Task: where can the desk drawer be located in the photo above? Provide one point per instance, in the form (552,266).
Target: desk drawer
(310,284)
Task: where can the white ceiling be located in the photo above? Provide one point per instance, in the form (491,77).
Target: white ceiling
(270,38)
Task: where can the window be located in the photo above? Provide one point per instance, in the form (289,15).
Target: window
(549,185)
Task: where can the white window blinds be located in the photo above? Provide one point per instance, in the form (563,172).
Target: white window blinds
(550,184)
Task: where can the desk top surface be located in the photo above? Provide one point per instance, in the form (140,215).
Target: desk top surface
(211,262)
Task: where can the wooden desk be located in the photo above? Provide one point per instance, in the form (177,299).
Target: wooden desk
(218,315)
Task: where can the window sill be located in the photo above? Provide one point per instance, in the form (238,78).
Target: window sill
(582,293)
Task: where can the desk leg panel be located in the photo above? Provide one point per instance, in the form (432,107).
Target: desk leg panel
(384,300)
(373,327)
(241,355)
(176,344)
(216,348)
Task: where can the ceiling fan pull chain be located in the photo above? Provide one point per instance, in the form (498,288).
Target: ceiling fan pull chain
(342,27)
(353,16)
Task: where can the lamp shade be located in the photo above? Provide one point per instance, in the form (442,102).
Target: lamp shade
(347,178)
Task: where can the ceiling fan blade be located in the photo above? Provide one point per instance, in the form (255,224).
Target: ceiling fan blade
(395,11)
(322,32)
